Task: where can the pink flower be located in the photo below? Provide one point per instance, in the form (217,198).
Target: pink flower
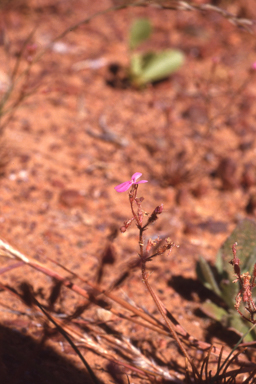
(127,184)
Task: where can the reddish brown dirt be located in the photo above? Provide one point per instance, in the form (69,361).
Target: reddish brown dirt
(77,136)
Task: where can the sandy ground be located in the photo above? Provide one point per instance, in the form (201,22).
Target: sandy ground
(79,134)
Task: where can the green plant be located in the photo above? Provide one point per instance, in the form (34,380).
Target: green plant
(222,371)
(150,66)
(144,68)
(220,278)
(81,332)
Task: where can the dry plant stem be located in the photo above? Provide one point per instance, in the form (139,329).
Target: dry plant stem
(245,294)
(138,312)
(56,323)
(66,282)
(84,341)
(156,326)
(161,310)
(7,251)
(173,5)
(143,257)
(23,94)
(100,350)
(66,336)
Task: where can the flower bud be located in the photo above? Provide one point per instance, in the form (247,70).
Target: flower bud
(159,209)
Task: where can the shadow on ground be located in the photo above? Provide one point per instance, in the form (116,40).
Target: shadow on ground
(187,287)
(24,361)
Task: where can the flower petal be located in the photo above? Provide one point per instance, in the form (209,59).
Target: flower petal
(123,187)
(135,176)
(141,181)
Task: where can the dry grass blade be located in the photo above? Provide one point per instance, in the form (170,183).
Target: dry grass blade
(207,363)
(105,345)
(219,359)
(189,6)
(9,110)
(7,251)
(172,5)
(66,336)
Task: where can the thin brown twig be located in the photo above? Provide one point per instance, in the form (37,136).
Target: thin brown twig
(140,363)
(138,216)
(171,5)
(8,251)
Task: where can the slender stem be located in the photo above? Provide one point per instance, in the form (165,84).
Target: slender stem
(227,359)
(132,197)
(163,314)
(66,336)
(144,258)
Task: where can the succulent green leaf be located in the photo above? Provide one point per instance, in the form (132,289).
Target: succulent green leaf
(205,275)
(214,311)
(136,65)
(139,32)
(219,263)
(235,323)
(229,291)
(157,66)
(245,235)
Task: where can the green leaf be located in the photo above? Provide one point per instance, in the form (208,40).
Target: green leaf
(136,65)
(235,323)
(229,291)
(231,320)
(157,66)
(139,32)
(245,235)
(205,275)
(214,311)
(219,263)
